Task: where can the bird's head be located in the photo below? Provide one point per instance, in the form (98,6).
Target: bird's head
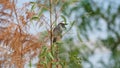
(62,25)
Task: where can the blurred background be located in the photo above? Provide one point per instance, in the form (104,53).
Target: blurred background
(93,36)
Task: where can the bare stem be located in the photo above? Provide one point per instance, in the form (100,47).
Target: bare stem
(50,3)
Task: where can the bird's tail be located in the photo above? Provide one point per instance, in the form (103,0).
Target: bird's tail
(54,39)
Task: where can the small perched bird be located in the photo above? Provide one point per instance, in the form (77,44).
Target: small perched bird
(57,31)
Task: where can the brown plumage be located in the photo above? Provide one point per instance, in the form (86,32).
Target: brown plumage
(57,31)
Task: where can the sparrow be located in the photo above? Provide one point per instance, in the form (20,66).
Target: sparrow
(57,31)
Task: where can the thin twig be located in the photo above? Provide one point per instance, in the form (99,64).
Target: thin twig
(50,3)
(16,15)
(69,29)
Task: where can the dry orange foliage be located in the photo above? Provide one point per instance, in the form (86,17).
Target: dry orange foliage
(14,34)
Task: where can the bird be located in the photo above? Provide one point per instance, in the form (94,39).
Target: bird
(57,31)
